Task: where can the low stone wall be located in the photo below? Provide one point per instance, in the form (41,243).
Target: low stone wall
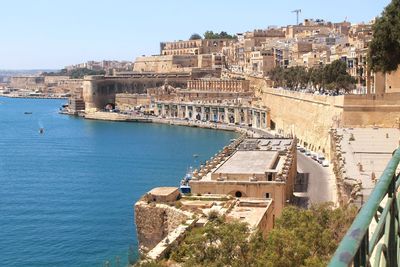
(112,116)
(346,189)
(171,241)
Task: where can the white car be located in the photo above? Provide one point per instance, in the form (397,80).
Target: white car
(314,155)
(325,163)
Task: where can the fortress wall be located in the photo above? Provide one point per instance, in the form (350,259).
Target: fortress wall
(310,117)
(382,110)
(307,116)
(98,91)
(154,222)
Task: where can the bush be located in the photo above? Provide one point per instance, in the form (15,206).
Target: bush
(213,215)
(300,238)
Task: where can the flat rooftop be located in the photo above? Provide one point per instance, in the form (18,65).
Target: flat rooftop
(248,162)
(252,215)
(163,191)
(372,148)
(270,144)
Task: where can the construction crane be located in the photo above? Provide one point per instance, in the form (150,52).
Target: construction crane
(297,11)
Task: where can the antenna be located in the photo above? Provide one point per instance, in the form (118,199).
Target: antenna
(297,11)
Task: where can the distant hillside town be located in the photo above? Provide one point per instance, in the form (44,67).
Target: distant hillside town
(310,45)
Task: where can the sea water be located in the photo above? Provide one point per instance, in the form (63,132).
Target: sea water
(67,195)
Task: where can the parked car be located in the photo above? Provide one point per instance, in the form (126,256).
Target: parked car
(321,158)
(307,153)
(325,163)
(314,156)
(302,149)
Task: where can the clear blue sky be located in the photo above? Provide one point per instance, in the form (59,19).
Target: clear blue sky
(55,33)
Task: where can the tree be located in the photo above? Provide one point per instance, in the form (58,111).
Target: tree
(77,73)
(300,238)
(195,36)
(81,72)
(209,35)
(336,76)
(217,244)
(277,75)
(62,72)
(384,49)
(330,77)
(221,35)
(307,237)
(316,75)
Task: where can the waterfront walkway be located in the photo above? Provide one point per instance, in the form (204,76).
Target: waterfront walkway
(113,116)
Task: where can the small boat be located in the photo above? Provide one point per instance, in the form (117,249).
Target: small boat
(195,155)
(27,112)
(184,186)
(185,189)
(41,130)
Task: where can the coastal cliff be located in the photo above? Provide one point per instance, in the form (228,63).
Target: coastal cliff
(156,217)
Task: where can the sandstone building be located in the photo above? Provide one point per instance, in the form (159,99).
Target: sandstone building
(194,47)
(258,168)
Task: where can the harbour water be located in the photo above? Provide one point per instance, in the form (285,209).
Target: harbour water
(67,195)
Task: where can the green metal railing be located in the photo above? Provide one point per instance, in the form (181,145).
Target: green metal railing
(373,238)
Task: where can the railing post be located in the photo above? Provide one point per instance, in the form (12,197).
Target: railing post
(392,242)
(355,246)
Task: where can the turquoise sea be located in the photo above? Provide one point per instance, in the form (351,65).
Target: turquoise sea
(66,196)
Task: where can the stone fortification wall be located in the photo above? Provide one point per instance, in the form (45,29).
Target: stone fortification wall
(27,82)
(167,63)
(48,84)
(347,188)
(130,101)
(308,117)
(381,110)
(98,91)
(154,222)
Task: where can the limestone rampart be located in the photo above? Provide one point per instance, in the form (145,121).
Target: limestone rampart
(155,221)
(310,117)
(306,116)
(98,91)
(382,110)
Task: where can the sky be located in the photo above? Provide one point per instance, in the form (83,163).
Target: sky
(51,34)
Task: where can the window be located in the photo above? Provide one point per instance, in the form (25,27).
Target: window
(269,176)
(267,195)
(238,194)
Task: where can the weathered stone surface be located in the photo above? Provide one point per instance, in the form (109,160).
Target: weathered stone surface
(154,222)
